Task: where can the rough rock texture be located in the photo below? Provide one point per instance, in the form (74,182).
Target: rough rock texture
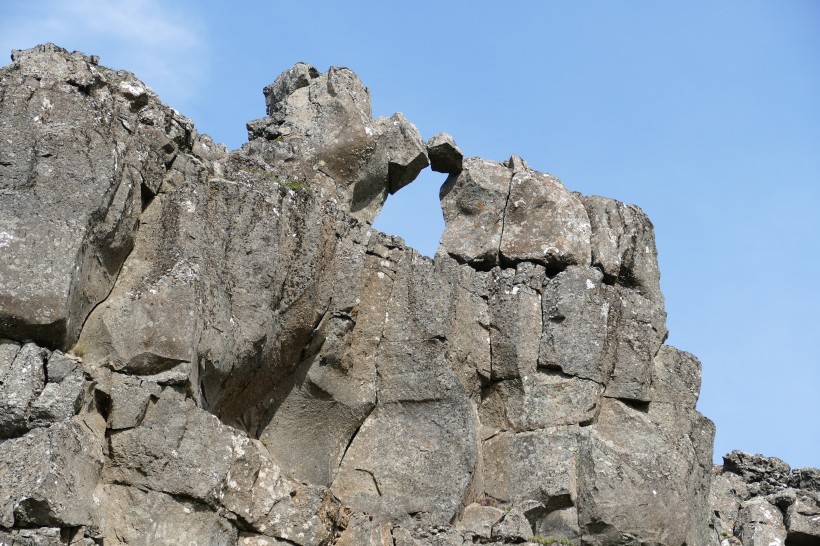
(212,347)
(761,500)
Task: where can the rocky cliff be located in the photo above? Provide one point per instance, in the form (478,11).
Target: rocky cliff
(211,347)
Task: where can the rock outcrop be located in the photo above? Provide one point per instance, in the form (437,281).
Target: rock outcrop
(761,500)
(212,347)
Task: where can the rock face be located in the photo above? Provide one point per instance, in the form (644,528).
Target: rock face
(212,347)
(761,500)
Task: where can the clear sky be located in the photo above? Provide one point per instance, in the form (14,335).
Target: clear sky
(705,113)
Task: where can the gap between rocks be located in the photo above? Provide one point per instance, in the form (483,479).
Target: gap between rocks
(414,213)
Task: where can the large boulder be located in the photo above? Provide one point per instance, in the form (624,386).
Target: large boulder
(507,213)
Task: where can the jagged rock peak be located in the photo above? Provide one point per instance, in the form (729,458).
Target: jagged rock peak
(320,132)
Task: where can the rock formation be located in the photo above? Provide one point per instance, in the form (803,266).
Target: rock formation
(211,347)
(758,500)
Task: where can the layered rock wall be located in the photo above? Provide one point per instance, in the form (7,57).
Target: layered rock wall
(213,347)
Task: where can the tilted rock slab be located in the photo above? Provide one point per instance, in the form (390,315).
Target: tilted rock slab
(215,347)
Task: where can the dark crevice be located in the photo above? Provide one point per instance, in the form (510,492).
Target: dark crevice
(552,370)
(45,368)
(499,257)
(638,405)
(375,481)
(353,437)
(85,89)
(146,196)
(102,403)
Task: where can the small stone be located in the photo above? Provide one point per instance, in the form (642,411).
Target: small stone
(445,156)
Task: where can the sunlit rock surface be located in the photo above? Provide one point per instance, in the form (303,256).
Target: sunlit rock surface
(212,347)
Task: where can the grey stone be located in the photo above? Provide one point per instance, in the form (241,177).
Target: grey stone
(37,387)
(479,520)
(62,396)
(560,522)
(623,245)
(652,478)
(66,122)
(41,536)
(183,451)
(759,523)
(129,398)
(676,377)
(473,203)
(763,475)
(445,156)
(296,77)
(595,331)
(261,367)
(639,332)
(488,209)
(319,133)
(726,493)
(577,306)
(49,477)
(803,520)
(397,445)
(806,478)
(133,516)
(399,145)
(540,465)
(513,527)
(559,238)
(22,376)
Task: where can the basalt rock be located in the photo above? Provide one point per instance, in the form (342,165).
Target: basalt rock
(215,347)
(761,500)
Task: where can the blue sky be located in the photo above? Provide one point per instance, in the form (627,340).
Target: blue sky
(704,113)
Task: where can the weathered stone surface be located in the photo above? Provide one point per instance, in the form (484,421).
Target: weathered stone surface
(473,203)
(399,145)
(45,536)
(806,478)
(727,491)
(759,500)
(261,367)
(803,520)
(759,523)
(479,520)
(184,452)
(445,156)
(653,478)
(513,527)
(623,245)
(490,210)
(763,475)
(539,466)
(50,476)
(676,377)
(38,387)
(595,331)
(399,444)
(559,237)
(84,147)
(148,517)
(319,133)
